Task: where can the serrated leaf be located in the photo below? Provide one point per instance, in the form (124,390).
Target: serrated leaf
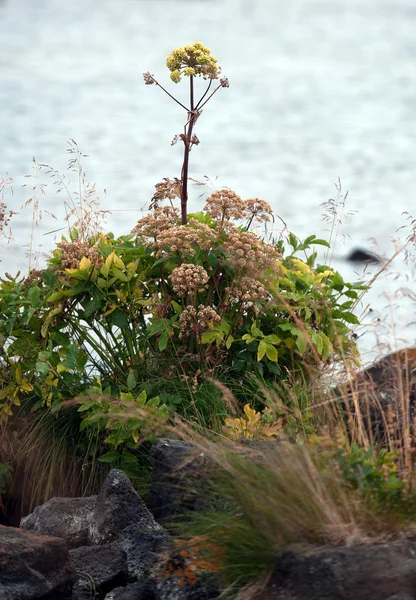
(153,402)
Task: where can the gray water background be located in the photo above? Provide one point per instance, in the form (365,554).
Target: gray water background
(319,90)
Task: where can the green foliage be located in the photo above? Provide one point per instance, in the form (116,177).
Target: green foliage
(119,313)
(374,474)
(124,419)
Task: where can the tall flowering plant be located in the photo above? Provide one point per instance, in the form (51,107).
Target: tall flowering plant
(193,60)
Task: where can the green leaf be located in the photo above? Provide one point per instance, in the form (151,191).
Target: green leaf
(93,305)
(271,352)
(141,399)
(42,367)
(176,307)
(255,331)
(111,456)
(153,401)
(209,337)
(163,340)
(317,340)
(337,282)
(119,274)
(118,318)
(34,295)
(261,350)
(55,296)
(272,339)
(302,340)
(131,380)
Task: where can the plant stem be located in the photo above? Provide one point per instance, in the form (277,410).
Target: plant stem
(204,94)
(185,166)
(209,97)
(170,95)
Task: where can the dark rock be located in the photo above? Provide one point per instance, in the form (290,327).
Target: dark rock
(141,590)
(358,255)
(118,506)
(66,518)
(145,546)
(389,385)
(33,567)
(176,469)
(182,476)
(99,569)
(206,587)
(367,572)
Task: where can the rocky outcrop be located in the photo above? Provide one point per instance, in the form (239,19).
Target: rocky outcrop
(176,478)
(123,553)
(99,569)
(118,506)
(384,391)
(66,518)
(367,572)
(34,567)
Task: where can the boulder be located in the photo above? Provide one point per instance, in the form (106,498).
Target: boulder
(99,569)
(387,388)
(364,256)
(182,476)
(118,506)
(178,478)
(66,518)
(141,590)
(205,587)
(145,546)
(366,572)
(170,588)
(33,567)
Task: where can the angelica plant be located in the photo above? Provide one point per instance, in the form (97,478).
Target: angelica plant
(194,60)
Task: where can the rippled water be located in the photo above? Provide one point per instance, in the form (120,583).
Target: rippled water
(320,89)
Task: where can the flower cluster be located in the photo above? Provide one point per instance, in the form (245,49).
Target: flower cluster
(72,252)
(153,224)
(193,59)
(197,321)
(257,209)
(184,239)
(246,291)
(224,205)
(246,250)
(188,278)
(149,79)
(5,216)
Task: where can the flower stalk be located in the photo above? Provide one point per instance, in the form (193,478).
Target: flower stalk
(190,61)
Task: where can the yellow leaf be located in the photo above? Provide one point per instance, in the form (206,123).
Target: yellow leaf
(303,267)
(85,264)
(26,386)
